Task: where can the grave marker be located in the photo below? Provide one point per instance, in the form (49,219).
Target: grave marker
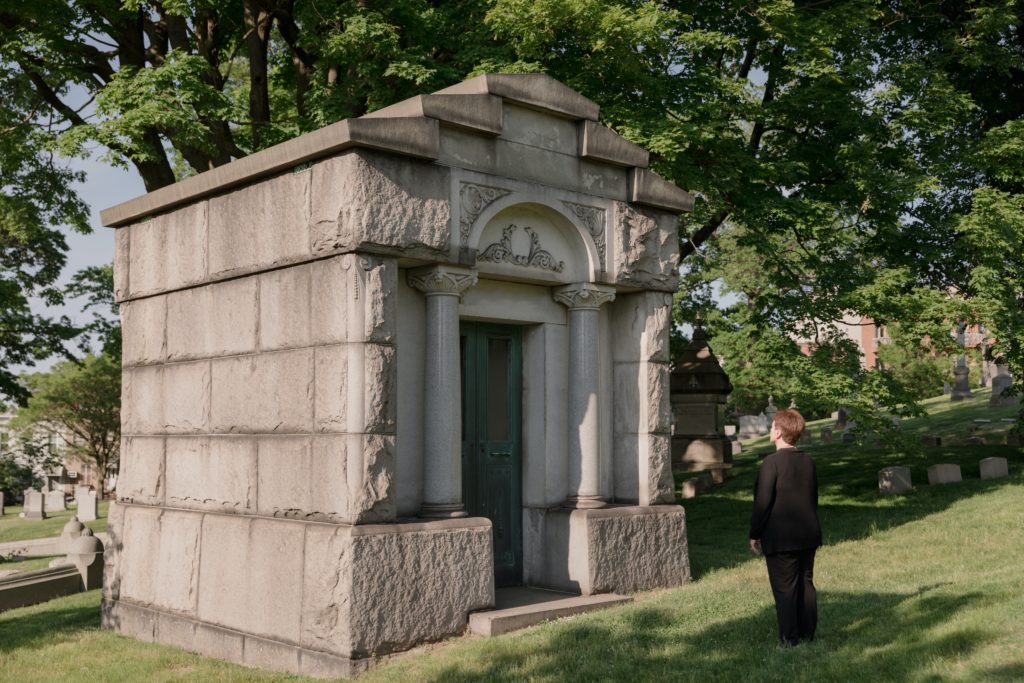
(944,473)
(892,480)
(35,505)
(994,468)
(88,505)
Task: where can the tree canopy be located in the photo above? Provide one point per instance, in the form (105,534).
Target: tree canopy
(848,156)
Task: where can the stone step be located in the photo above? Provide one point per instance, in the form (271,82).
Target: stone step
(518,608)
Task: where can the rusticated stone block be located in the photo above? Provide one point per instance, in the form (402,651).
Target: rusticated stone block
(260,226)
(640,325)
(646,247)
(159,558)
(141,474)
(122,262)
(143,323)
(211,473)
(944,474)
(994,468)
(366,199)
(172,399)
(285,308)
(168,252)
(300,480)
(270,392)
(334,397)
(893,480)
(215,320)
(656,469)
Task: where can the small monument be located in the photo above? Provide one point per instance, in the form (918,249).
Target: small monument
(945,473)
(947,389)
(842,415)
(699,389)
(2,513)
(55,501)
(88,505)
(826,435)
(770,410)
(961,383)
(892,480)
(1000,382)
(994,468)
(35,505)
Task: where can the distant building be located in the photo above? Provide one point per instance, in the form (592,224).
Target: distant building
(73,470)
(863,332)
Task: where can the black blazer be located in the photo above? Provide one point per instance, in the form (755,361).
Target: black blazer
(785,516)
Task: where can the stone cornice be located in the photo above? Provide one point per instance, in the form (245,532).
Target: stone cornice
(584,295)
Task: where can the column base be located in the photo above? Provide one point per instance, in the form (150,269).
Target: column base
(585,503)
(456,511)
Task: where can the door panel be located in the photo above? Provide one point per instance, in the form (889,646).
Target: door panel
(491,433)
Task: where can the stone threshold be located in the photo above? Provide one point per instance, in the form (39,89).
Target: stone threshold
(521,607)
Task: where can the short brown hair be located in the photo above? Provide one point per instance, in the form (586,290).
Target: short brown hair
(790,424)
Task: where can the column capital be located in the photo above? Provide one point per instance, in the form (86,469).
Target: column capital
(442,279)
(584,295)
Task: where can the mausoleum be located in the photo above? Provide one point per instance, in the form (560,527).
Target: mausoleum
(377,371)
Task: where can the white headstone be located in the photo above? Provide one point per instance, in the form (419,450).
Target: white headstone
(894,480)
(35,505)
(994,468)
(945,473)
(88,505)
(55,501)
(2,504)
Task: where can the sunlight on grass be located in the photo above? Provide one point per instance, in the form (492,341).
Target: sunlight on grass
(14,528)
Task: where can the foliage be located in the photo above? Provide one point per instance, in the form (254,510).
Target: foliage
(15,478)
(915,365)
(81,402)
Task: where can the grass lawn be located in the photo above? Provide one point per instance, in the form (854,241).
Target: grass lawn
(921,587)
(15,528)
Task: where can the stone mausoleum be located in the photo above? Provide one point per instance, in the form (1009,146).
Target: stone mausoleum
(378,371)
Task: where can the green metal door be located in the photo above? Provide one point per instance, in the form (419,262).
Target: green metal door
(491,439)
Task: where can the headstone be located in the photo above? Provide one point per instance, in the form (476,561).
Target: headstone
(826,435)
(805,437)
(35,505)
(730,430)
(1014,439)
(976,441)
(896,423)
(994,468)
(982,421)
(894,480)
(88,505)
(753,425)
(945,473)
(770,410)
(737,448)
(55,501)
(947,389)
(961,383)
(931,440)
(849,436)
(1007,419)
(1002,380)
(841,418)
(2,513)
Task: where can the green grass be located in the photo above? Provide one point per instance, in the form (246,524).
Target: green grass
(924,587)
(14,528)
(26,564)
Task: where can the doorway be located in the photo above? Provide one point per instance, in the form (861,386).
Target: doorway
(492,378)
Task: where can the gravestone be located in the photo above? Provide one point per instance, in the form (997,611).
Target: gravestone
(976,441)
(931,440)
(1014,439)
(2,512)
(961,383)
(944,473)
(699,389)
(841,418)
(1002,380)
(894,480)
(55,501)
(753,425)
(730,431)
(947,389)
(805,438)
(35,505)
(826,435)
(88,505)
(994,468)
(770,410)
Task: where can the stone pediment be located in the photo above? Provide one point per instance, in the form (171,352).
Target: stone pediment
(527,110)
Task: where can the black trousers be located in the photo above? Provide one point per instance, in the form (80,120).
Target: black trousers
(796,602)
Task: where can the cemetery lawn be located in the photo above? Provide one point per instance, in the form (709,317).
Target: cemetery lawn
(15,528)
(925,587)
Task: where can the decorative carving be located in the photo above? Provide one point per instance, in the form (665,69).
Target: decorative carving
(501,252)
(443,280)
(584,295)
(473,199)
(594,220)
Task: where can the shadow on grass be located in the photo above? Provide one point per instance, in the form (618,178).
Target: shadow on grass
(850,506)
(861,636)
(33,627)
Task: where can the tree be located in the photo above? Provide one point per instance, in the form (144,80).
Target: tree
(81,403)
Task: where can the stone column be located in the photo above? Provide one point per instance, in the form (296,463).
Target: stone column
(583,301)
(442,397)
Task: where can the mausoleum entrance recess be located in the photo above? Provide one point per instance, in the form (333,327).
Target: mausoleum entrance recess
(492,439)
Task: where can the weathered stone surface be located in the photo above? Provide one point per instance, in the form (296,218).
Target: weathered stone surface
(141,475)
(112,568)
(299,481)
(327,590)
(538,129)
(994,468)
(168,251)
(646,248)
(893,480)
(364,199)
(122,262)
(259,226)
(331,390)
(944,474)
(215,320)
(476,112)
(267,654)
(410,587)
(629,549)
(87,508)
(371,498)
(931,440)
(285,308)
(656,469)
(212,473)
(159,558)
(224,591)
(539,91)
(333,398)
(379,377)
(603,144)
(142,400)
(270,392)
(143,325)
(55,501)
(647,187)
(186,397)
